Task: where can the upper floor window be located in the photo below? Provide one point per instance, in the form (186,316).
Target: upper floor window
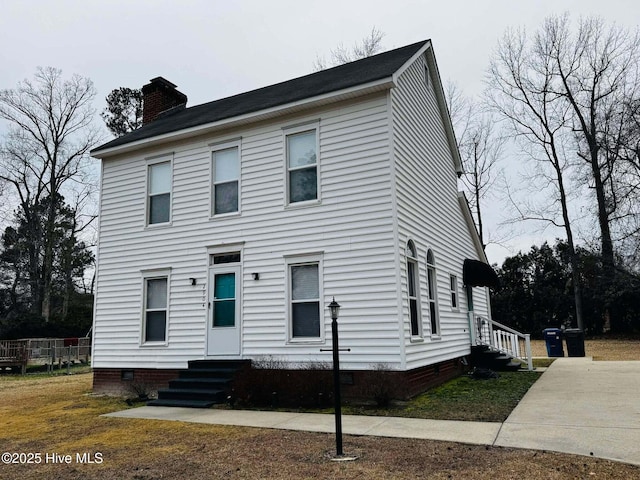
(226,181)
(159,193)
(413,281)
(302,166)
(432,283)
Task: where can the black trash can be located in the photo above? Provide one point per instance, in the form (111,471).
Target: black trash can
(575,342)
(553,339)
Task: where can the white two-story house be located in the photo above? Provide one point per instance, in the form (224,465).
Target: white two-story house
(227,228)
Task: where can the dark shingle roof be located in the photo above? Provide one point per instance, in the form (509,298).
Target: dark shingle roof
(360,72)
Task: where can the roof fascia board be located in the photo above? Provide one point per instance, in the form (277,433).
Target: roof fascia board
(471,225)
(409,62)
(331,97)
(444,110)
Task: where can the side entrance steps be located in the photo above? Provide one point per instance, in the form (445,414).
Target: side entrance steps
(483,357)
(203,384)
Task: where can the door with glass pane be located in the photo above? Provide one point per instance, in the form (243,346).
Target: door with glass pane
(223,330)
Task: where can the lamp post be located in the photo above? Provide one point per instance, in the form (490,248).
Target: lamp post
(334,308)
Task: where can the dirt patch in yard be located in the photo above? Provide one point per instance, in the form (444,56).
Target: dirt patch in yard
(57,416)
(601,349)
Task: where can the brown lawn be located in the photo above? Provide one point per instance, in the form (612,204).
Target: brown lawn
(598,348)
(58,416)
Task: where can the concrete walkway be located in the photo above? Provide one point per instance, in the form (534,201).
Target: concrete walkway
(577,406)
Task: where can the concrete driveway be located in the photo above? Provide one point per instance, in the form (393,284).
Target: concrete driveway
(580,406)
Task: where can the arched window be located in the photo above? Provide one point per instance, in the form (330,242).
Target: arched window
(413,281)
(433,293)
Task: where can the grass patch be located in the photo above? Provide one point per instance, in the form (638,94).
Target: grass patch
(462,398)
(541,362)
(40,371)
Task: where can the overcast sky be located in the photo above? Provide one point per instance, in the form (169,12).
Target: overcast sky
(213,48)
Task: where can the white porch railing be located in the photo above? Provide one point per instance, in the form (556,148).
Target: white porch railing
(501,338)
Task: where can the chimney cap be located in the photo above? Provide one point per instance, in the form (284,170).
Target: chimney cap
(160,81)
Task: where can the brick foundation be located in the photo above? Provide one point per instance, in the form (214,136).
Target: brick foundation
(122,381)
(298,386)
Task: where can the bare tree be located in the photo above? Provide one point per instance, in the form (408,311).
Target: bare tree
(596,72)
(369,45)
(44,155)
(481,148)
(520,88)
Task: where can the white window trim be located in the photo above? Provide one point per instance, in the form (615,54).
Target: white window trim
(419,336)
(293,260)
(455,291)
(216,147)
(292,130)
(432,266)
(150,275)
(150,161)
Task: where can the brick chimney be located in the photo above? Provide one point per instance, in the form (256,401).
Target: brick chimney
(158,96)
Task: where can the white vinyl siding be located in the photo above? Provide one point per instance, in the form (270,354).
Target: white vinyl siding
(384,175)
(429,213)
(353,227)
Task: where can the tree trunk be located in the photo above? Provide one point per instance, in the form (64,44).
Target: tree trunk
(606,243)
(573,257)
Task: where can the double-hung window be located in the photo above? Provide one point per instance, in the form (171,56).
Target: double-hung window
(159,192)
(302,165)
(156,307)
(225,196)
(305,311)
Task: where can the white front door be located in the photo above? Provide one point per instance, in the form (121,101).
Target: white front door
(223,322)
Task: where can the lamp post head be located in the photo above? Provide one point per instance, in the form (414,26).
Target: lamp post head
(334,307)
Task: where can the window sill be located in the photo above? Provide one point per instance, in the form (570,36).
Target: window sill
(308,203)
(436,338)
(153,226)
(306,341)
(415,339)
(222,216)
(154,344)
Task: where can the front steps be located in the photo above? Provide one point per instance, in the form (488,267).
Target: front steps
(203,384)
(483,357)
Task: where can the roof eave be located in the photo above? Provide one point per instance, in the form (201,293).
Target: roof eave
(471,225)
(292,107)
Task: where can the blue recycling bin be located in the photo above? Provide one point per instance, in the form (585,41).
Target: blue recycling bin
(553,339)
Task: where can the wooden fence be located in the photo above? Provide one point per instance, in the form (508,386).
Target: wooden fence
(44,351)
